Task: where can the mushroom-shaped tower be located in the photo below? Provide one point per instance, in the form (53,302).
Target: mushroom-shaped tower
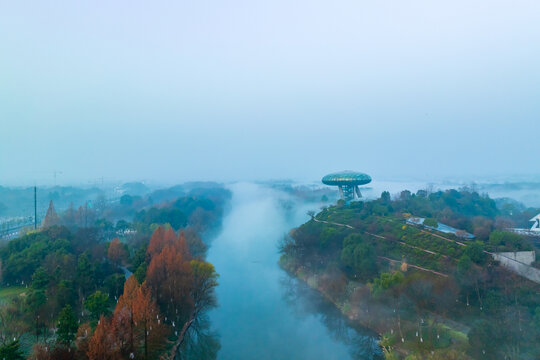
(347,181)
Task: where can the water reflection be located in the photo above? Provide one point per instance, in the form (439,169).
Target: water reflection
(261,315)
(305,301)
(200,342)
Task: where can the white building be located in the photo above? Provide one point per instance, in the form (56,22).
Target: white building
(536,225)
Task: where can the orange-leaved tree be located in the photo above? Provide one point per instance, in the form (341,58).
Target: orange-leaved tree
(136,321)
(117,253)
(169,274)
(102,345)
(157,242)
(122,321)
(148,321)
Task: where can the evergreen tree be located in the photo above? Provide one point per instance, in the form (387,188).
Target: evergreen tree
(97,304)
(67,325)
(85,273)
(40,279)
(51,218)
(11,351)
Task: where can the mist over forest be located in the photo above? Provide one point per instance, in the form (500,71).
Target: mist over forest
(269,180)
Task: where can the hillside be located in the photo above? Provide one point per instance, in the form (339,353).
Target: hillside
(430,294)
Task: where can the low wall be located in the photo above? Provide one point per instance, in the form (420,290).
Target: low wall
(526,257)
(518,262)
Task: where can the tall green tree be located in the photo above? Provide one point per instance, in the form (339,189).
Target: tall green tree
(36,303)
(485,339)
(11,351)
(97,304)
(40,279)
(359,256)
(85,273)
(67,325)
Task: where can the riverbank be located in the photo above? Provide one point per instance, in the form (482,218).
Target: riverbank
(264,313)
(400,335)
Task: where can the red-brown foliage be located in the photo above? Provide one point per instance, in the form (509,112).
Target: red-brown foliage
(82,341)
(148,321)
(157,242)
(102,345)
(161,238)
(169,274)
(123,328)
(131,287)
(117,253)
(40,352)
(136,323)
(182,246)
(170,278)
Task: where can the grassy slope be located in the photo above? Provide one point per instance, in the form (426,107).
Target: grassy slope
(8,293)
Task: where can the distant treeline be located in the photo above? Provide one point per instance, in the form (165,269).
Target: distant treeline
(16,201)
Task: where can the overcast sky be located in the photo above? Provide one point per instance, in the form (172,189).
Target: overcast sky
(225,90)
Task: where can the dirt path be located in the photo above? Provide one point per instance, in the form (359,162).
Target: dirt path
(401,242)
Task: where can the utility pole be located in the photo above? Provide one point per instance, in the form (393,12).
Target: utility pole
(35,207)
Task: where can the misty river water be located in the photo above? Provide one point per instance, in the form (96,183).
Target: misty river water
(263,313)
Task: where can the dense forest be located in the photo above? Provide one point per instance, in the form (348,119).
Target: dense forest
(429,294)
(125,281)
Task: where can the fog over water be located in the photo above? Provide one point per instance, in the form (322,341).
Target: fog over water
(263,313)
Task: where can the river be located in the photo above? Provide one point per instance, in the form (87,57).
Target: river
(263,313)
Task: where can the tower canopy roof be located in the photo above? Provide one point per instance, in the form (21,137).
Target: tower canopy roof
(347,177)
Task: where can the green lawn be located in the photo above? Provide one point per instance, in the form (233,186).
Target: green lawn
(7,293)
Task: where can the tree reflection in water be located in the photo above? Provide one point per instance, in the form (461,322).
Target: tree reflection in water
(200,342)
(304,301)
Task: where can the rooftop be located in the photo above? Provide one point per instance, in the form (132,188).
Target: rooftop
(346,177)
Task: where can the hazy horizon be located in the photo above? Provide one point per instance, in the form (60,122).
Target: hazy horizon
(172,92)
